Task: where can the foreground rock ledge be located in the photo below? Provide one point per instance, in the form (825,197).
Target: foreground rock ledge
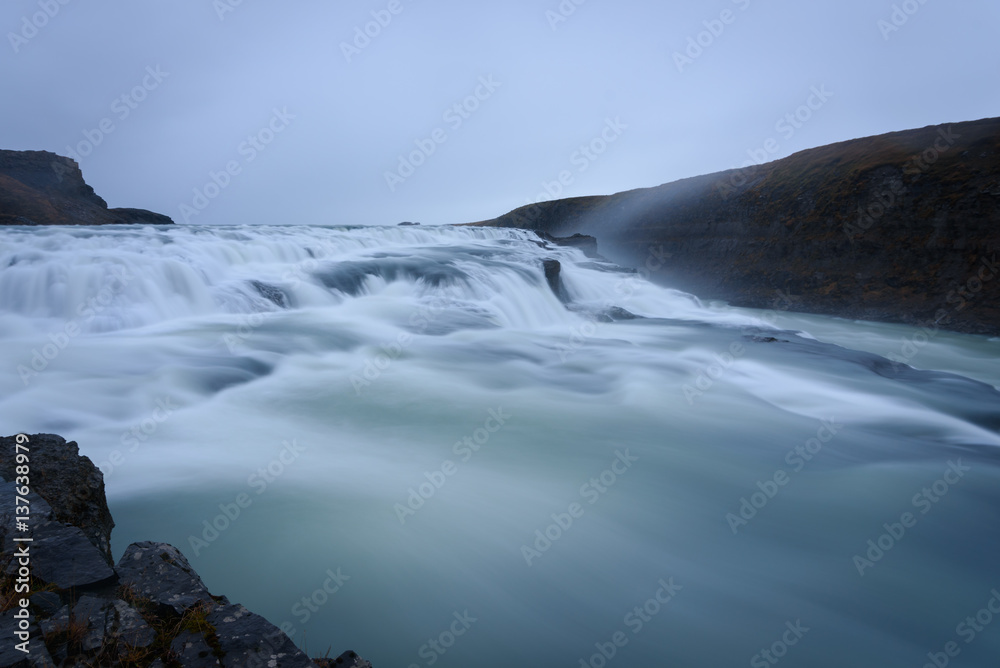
(151,609)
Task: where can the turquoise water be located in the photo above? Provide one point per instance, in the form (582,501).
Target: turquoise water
(400,441)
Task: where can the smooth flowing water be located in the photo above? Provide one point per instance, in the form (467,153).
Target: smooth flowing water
(401,441)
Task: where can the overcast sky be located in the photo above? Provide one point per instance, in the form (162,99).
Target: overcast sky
(318,122)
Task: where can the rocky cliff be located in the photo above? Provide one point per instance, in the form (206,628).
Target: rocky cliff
(902,227)
(42,188)
(64,600)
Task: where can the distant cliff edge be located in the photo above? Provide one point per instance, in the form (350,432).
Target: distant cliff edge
(902,227)
(42,188)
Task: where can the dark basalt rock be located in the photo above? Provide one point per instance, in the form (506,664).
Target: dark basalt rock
(345,660)
(584,242)
(902,227)
(552,269)
(74,486)
(11,657)
(271,293)
(160,574)
(65,558)
(42,188)
(192,649)
(248,639)
(140,217)
(132,627)
(617,313)
(152,609)
(62,555)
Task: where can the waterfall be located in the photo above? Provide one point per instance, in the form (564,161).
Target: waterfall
(611,473)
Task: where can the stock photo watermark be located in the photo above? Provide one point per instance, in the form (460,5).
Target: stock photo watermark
(786,126)
(375,365)
(635,620)
(223,7)
(248,150)
(966,294)
(968,630)
(706,378)
(438,646)
(309,605)
(363,35)
(435,480)
(924,501)
(86,312)
(259,481)
(32,24)
(900,16)
(725,361)
(770,656)
(582,158)
(892,193)
(121,107)
(563,12)
(591,491)
(797,458)
(140,432)
(249,323)
(582,333)
(454,116)
(714,28)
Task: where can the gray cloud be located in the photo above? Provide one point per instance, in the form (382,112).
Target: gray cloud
(357,110)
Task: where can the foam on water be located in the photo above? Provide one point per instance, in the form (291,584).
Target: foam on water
(330,373)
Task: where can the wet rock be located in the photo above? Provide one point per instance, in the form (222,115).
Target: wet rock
(46,603)
(70,483)
(95,613)
(553,269)
(616,313)
(130,626)
(192,649)
(11,657)
(249,639)
(348,659)
(161,604)
(271,293)
(63,556)
(584,242)
(160,573)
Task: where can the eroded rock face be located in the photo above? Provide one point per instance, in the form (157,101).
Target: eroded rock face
(160,574)
(151,609)
(553,269)
(73,484)
(42,188)
(587,244)
(903,227)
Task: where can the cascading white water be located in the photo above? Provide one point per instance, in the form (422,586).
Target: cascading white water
(412,418)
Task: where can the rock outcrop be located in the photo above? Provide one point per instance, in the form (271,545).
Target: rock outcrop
(902,227)
(150,610)
(42,188)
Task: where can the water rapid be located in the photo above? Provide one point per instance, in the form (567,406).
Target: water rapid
(405,442)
